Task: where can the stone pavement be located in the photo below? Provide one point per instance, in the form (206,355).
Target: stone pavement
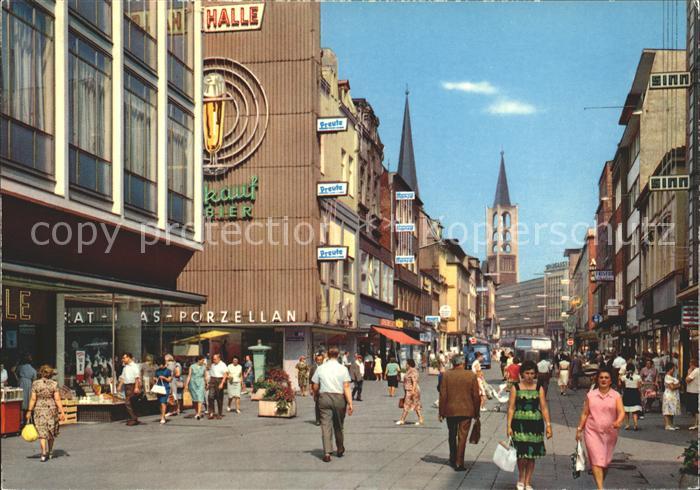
(244,451)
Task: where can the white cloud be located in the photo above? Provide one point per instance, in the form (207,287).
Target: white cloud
(471,87)
(511,107)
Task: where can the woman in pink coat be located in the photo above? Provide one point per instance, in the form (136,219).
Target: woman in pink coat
(602,416)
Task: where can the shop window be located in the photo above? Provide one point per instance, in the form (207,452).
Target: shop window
(26,86)
(348,282)
(140,24)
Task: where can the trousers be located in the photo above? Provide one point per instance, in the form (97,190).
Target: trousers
(131,401)
(357,390)
(216,394)
(457,433)
(332,406)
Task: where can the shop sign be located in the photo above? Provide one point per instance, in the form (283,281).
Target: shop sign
(426,336)
(294,335)
(224,202)
(383,322)
(405,196)
(399,323)
(613,310)
(603,276)
(416,322)
(237,17)
(680,79)
(690,316)
(331,189)
(332,253)
(77,317)
(669,183)
(79,365)
(402,227)
(331,124)
(432,319)
(24,305)
(404,259)
(445,311)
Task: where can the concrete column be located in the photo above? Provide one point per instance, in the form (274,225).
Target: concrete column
(117,108)
(162,165)
(128,329)
(292,350)
(61,107)
(60,339)
(197,202)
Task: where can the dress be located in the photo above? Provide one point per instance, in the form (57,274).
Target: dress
(250,377)
(167,373)
(563,373)
(599,434)
(672,399)
(233,385)
(392,374)
(302,375)
(45,409)
(26,374)
(527,423)
(410,384)
(378,366)
(631,398)
(197,382)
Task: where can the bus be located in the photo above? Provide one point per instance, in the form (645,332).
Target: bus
(529,347)
(470,350)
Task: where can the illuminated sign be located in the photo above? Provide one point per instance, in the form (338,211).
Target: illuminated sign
(236,17)
(226,202)
(669,183)
(404,259)
(405,196)
(411,227)
(331,124)
(332,253)
(331,189)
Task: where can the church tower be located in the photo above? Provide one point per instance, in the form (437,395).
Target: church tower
(502,233)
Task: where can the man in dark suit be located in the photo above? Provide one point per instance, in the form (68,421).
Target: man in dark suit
(357,376)
(459,404)
(312,371)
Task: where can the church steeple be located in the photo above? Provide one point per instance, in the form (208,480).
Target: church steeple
(502,196)
(407,162)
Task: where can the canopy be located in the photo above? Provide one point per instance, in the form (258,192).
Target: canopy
(397,336)
(211,334)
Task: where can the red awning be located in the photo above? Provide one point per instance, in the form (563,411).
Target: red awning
(397,336)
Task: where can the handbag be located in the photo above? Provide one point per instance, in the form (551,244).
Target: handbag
(475,436)
(158,389)
(578,461)
(402,402)
(186,399)
(29,433)
(505,455)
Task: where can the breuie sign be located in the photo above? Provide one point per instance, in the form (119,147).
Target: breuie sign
(235,17)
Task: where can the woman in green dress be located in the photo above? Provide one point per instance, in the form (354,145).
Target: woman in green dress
(196,381)
(528,422)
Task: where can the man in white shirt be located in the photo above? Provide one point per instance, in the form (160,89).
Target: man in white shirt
(693,386)
(331,386)
(130,379)
(218,374)
(544,373)
(617,364)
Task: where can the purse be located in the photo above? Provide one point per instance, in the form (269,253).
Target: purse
(578,461)
(402,402)
(475,436)
(505,456)
(158,389)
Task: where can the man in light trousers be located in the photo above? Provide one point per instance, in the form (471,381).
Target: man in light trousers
(331,387)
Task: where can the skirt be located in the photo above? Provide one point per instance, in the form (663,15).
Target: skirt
(564,377)
(632,400)
(392,381)
(691,404)
(233,390)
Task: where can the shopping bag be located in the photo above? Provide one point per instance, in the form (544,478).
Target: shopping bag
(475,436)
(186,400)
(158,389)
(29,433)
(578,461)
(402,402)
(505,456)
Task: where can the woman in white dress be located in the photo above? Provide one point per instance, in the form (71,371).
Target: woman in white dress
(671,404)
(563,375)
(632,394)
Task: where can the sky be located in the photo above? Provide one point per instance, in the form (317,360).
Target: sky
(513,76)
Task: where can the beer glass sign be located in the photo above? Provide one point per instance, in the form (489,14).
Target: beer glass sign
(214,108)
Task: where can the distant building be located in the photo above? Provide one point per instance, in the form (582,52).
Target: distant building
(502,233)
(519,308)
(556,297)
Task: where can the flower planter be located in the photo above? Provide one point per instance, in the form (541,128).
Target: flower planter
(688,480)
(433,371)
(268,408)
(258,395)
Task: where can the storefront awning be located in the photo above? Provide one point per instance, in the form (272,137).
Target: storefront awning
(397,336)
(211,334)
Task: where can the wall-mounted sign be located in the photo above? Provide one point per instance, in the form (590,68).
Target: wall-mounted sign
(603,276)
(405,196)
(669,183)
(332,253)
(79,365)
(235,17)
(597,318)
(24,305)
(331,124)
(331,189)
(383,322)
(445,311)
(426,336)
(612,310)
(432,318)
(227,202)
(75,317)
(399,323)
(482,289)
(404,259)
(402,227)
(294,335)
(680,79)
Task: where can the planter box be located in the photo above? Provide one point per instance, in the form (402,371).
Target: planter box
(269,409)
(258,395)
(433,371)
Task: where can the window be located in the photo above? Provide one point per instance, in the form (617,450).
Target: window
(26,104)
(343,166)
(387,284)
(351,176)
(96,12)
(375,274)
(180,165)
(140,25)
(181,45)
(364,273)
(332,273)
(494,222)
(348,280)
(506,220)
(90,119)
(140,143)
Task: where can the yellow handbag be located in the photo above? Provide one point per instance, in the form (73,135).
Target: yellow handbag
(29,433)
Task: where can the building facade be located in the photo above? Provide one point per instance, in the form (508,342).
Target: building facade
(556,301)
(520,308)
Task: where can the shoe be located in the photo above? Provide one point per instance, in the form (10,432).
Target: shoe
(693,427)
(317,424)
(460,468)
(400,422)
(228,409)
(238,411)
(358,399)
(636,429)
(327,458)
(528,487)
(670,428)
(132,423)
(219,417)
(627,427)
(50,454)
(484,409)
(421,421)
(44,458)
(641,417)
(197,417)
(520,486)
(162,421)
(340,452)
(211,416)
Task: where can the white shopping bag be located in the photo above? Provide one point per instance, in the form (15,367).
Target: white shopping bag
(580,458)
(505,456)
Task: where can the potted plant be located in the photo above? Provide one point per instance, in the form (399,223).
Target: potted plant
(279,398)
(434,368)
(259,389)
(689,468)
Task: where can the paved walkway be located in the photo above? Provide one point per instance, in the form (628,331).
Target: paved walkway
(244,451)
